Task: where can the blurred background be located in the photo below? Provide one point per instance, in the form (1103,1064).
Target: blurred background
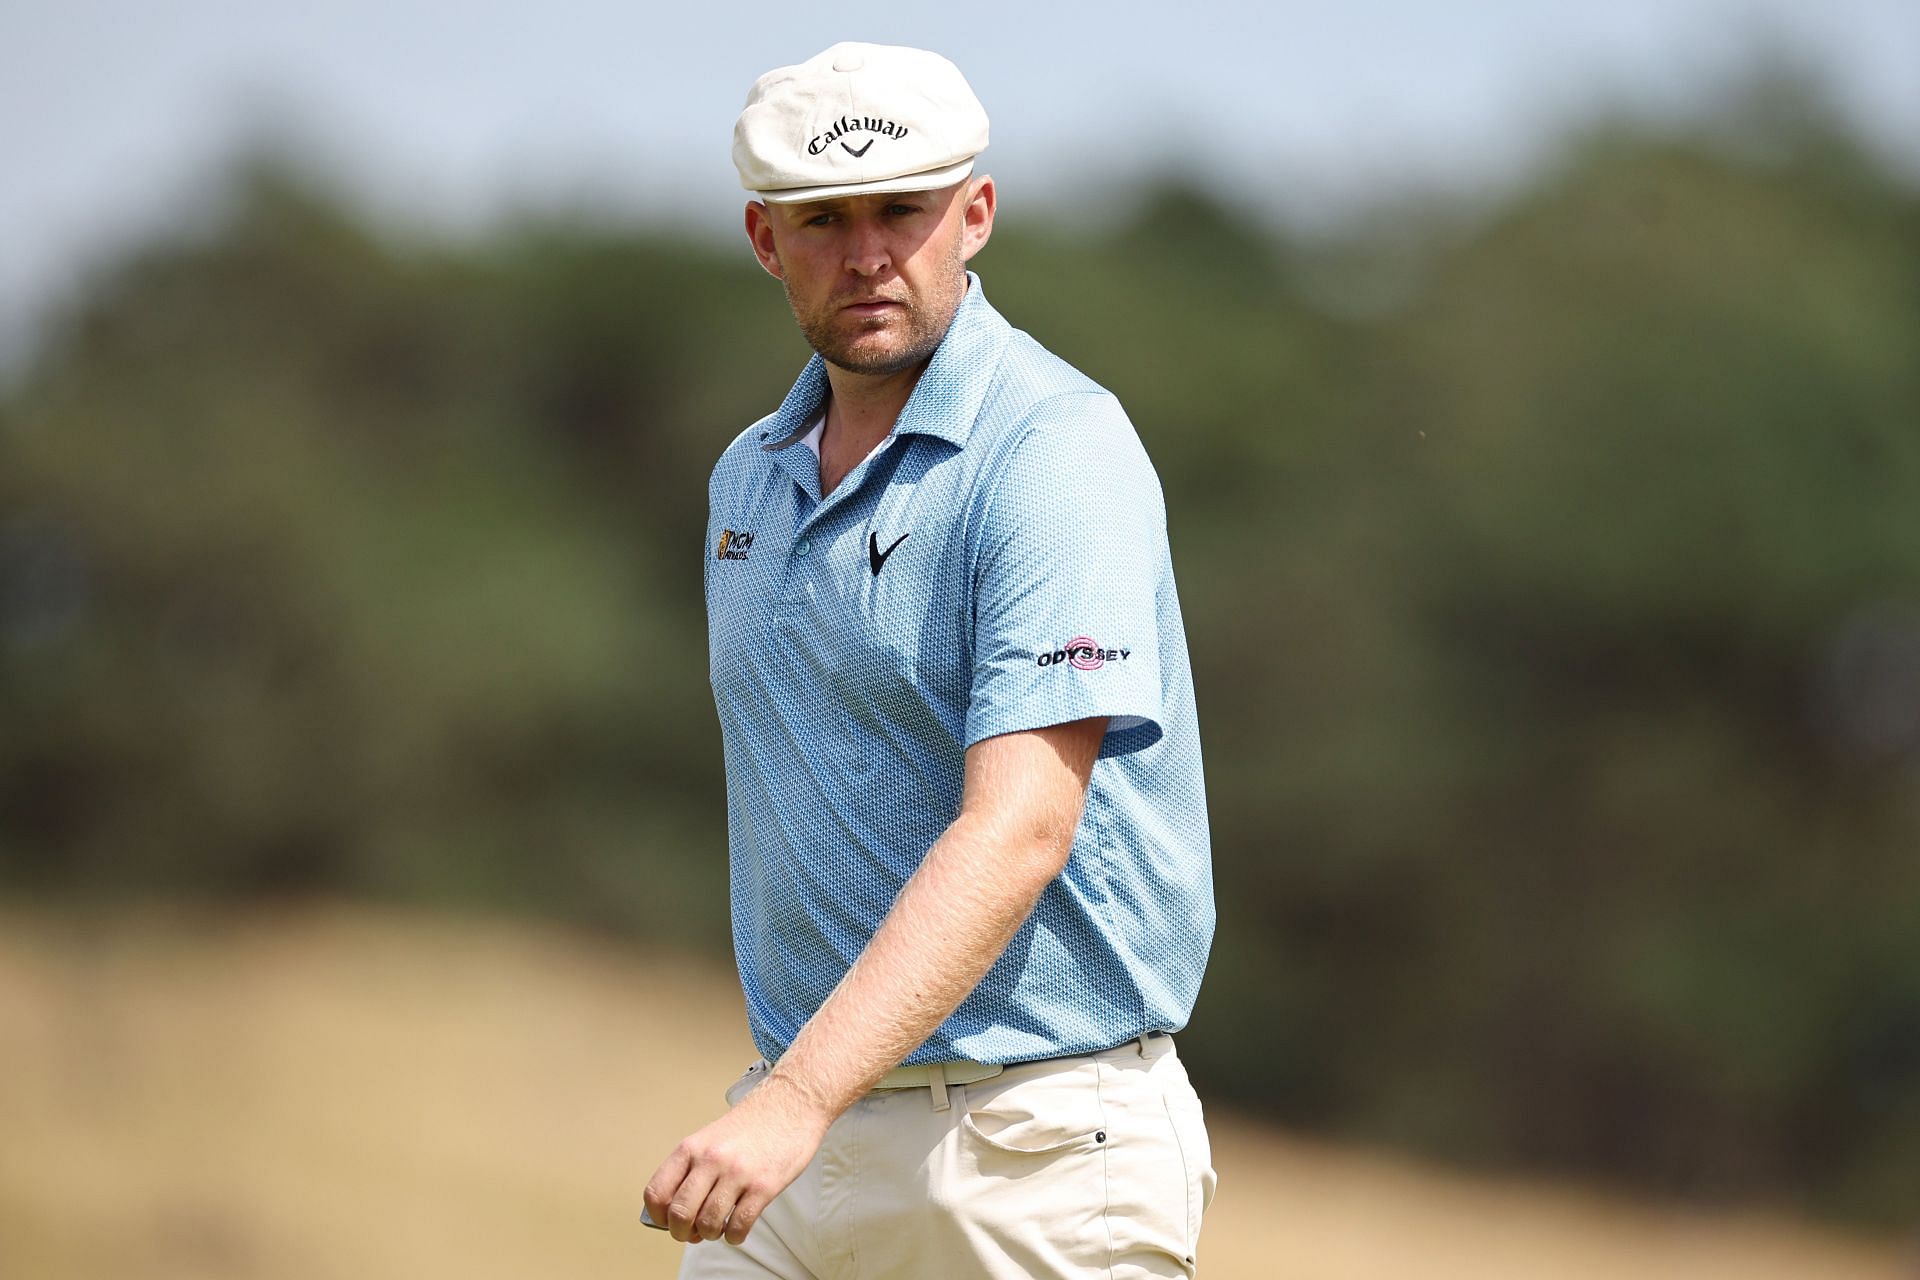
(1536,389)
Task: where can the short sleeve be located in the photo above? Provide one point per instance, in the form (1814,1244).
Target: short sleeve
(1071,547)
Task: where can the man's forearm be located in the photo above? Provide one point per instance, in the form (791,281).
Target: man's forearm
(950,923)
(955,916)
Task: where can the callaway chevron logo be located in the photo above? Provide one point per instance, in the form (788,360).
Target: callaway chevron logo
(855,124)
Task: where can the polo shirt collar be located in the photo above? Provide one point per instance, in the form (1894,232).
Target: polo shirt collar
(944,402)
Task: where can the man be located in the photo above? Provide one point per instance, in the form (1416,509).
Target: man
(970,878)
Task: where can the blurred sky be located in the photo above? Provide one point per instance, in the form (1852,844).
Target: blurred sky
(113,115)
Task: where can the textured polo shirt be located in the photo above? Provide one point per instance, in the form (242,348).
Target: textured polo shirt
(1001,565)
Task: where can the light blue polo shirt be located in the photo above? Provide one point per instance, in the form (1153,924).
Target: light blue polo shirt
(1002,565)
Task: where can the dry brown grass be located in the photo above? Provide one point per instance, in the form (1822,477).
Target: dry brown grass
(343,1092)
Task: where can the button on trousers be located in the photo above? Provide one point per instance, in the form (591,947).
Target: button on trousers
(1096,1165)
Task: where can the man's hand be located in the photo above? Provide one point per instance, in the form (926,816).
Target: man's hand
(719,1180)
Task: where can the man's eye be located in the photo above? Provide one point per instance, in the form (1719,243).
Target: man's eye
(900,210)
(819,219)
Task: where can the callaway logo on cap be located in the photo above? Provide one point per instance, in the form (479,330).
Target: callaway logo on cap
(856,119)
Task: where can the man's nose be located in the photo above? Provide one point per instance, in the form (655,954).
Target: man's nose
(867,252)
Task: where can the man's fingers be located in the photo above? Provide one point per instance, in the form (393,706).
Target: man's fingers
(746,1212)
(713,1216)
(664,1183)
(685,1206)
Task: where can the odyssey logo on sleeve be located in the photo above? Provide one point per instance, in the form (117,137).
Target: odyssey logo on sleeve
(1082,653)
(732,546)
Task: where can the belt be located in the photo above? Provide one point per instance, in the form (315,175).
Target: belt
(936,1076)
(929,1074)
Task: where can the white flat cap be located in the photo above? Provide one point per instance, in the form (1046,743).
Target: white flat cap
(856,119)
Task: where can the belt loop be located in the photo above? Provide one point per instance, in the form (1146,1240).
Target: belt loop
(937,1085)
(1144,1036)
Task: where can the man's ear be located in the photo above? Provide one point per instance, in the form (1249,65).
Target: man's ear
(977,216)
(760,236)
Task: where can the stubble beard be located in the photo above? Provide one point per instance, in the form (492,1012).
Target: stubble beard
(926,323)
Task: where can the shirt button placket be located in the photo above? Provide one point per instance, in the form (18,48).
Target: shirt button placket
(797,579)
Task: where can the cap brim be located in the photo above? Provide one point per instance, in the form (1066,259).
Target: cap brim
(926,180)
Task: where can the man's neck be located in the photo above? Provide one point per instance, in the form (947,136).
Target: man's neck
(861,411)
(863,407)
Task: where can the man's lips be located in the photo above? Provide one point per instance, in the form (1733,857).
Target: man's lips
(871,307)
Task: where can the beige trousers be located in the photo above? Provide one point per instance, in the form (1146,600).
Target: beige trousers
(1095,1165)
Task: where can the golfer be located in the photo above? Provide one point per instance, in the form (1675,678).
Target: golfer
(970,878)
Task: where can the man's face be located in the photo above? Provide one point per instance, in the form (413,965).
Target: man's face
(874,280)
